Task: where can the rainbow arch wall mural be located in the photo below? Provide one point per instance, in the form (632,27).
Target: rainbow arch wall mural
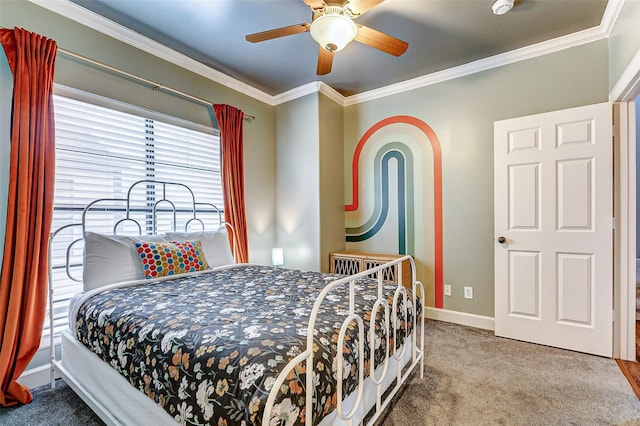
(396,197)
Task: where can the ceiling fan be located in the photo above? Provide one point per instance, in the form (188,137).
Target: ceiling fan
(332,26)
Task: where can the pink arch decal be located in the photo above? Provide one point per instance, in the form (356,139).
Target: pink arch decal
(437,188)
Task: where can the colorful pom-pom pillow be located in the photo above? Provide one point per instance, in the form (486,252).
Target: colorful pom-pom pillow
(160,259)
(215,245)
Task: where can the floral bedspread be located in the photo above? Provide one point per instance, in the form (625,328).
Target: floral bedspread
(208,348)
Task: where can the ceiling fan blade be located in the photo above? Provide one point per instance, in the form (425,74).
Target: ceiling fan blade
(358,7)
(325,61)
(278,32)
(314,4)
(381,41)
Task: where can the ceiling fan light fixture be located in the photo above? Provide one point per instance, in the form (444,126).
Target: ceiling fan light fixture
(333,31)
(500,7)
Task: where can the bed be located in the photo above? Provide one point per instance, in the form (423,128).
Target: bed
(169,329)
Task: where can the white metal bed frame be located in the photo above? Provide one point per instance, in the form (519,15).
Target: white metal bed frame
(402,374)
(379,376)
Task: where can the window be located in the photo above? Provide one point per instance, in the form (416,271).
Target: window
(102,147)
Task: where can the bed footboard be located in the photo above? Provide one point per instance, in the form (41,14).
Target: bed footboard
(393,365)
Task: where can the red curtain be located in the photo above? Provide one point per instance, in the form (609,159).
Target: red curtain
(23,285)
(230,120)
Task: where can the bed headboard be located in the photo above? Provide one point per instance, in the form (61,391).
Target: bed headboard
(150,208)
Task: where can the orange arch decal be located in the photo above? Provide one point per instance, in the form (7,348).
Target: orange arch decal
(437,188)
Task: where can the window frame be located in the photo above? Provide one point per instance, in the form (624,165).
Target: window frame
(101,101)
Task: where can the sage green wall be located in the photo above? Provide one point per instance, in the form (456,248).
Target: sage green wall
(624,41)
(297,182)
(462,113)
(310,181)
(259,135)
(331,149)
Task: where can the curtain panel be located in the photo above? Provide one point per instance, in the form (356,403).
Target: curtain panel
(23,285)
(230,121)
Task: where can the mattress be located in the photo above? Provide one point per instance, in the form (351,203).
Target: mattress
(208,347)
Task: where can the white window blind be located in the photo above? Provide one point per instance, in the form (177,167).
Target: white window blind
(100,152)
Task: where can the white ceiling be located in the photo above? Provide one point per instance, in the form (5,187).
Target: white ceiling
(441,34)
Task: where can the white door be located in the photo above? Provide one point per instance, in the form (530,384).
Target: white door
(553,184)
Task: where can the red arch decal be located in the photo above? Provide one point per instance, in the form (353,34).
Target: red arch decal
(437,188)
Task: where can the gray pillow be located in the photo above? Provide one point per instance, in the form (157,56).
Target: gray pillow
(112,258)
(215,245)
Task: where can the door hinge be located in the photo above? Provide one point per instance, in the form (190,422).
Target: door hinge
(613,223)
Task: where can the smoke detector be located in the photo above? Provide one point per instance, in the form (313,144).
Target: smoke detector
(500,7)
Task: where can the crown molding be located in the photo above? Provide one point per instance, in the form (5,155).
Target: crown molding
(628,85)
(85,17)
(528,52)
(119,32)
(297,92)
(610,16)
(306,89)
(332,94)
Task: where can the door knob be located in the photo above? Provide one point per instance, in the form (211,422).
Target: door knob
(502,240)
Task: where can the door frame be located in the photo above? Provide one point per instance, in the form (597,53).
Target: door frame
(624,92)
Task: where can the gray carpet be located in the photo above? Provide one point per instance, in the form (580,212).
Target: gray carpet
(475,378)
(471,378)
(50,407)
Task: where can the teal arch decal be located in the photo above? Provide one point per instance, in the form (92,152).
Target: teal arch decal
(404,157)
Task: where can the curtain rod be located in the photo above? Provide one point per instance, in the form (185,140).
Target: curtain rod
(156,86)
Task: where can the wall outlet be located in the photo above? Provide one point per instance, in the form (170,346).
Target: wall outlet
(447,289)
(468,292)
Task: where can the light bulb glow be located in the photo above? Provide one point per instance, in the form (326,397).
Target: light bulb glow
(277,256)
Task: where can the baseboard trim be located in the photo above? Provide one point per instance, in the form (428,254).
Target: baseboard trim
(37,376)
(462,318)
